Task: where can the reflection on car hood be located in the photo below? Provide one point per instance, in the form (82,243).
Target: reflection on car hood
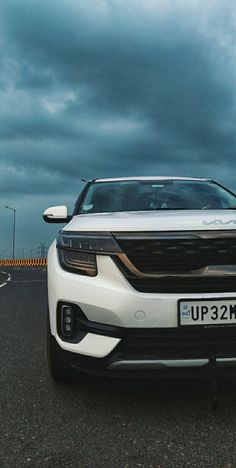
(169,220)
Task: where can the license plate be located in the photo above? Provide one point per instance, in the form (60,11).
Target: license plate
(207,312)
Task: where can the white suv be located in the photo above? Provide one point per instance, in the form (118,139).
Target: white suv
(142,280)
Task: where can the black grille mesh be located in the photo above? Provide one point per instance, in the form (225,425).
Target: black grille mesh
(173,255)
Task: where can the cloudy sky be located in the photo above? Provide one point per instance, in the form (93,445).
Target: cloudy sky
(95,88)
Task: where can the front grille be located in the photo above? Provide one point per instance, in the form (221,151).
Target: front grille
(171,255)
(176,343)
(183,285)
(177,253)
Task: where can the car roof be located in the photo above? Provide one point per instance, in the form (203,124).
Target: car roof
(116,179)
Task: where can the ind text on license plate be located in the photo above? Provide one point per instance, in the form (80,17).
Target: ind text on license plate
(207,312)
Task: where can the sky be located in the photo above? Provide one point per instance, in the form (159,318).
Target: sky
(102,88)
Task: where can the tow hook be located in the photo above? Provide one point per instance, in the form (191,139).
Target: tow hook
(214,387)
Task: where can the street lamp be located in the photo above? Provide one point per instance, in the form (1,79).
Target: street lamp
(14,230)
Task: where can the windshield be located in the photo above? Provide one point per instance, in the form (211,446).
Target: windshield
(139,195)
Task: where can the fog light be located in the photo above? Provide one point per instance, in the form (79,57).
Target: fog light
(67,320)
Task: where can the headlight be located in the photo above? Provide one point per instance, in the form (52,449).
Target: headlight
(78,262)
(77,251)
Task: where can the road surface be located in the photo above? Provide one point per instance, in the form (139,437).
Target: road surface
(97,423)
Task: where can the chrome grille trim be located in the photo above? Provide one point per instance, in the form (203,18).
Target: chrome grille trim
(213,270)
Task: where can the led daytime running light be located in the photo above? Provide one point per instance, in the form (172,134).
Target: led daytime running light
(101,243)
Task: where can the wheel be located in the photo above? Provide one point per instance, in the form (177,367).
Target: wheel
(59,370)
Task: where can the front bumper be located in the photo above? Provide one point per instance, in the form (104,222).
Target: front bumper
(132,333)
(118,365)
(154,352)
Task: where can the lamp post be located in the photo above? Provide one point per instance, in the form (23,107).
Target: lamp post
(14,230)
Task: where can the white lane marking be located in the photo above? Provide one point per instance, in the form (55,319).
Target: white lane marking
(8,274)
(8,279)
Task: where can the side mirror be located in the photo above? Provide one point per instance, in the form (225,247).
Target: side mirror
(56,214)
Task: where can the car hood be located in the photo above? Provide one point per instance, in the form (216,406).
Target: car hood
(179,220)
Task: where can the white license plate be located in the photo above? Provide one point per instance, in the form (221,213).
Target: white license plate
(207,312)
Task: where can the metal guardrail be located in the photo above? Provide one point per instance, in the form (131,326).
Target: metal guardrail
(24,262)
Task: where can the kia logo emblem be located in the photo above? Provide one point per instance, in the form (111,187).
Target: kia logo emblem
(219,222)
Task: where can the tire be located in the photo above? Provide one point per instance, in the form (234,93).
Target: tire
(59,370)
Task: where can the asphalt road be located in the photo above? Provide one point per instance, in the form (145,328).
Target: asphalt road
(97,423)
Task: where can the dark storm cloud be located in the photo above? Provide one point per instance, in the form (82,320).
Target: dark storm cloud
(101,88)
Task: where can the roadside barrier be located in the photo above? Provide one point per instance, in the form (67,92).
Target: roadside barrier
(24,262)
